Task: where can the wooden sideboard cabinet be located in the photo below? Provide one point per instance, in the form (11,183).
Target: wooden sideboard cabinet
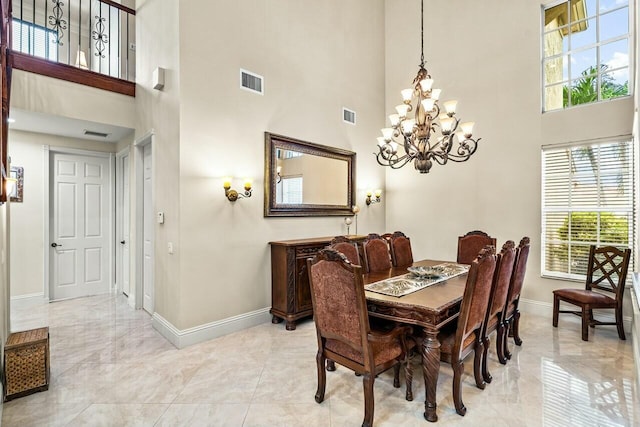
(290,292)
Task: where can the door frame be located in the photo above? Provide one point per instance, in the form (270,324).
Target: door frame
(49,150)
(139,145)
(120,220)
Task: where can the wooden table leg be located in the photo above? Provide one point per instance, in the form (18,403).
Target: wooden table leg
(430,370)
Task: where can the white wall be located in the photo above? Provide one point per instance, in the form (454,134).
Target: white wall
(492,67)
(158,111)
(27,218)
(316,57)
(42,94)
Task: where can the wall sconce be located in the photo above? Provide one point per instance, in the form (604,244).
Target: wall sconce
(278,176)
(9,182)
(377,193)
(233,195)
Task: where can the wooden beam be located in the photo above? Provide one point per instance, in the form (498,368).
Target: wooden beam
(32,64)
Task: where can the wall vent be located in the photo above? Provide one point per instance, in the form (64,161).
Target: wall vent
(348,116)
(95,133)
(251,82)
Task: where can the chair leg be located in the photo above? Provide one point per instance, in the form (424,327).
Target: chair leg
(478,354)
(592,323)
(408,374)
(556,310)
(322,376)
(458,370)
(367,382)
(516,328)
(331,365)
(507,327)
(585,323)
(485,352)
(619,323)
(500,338)
(396,375)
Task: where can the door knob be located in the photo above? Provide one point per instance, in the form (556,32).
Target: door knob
(55,245)
(122,242)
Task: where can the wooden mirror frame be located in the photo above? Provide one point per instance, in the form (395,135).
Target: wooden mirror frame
(271,208)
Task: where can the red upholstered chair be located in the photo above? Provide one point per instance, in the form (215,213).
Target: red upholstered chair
(401,253)
(348,248)
(376,253)
(456,344)
(343,330)
(511,317)
(497,302)
(606,271)
(471,244)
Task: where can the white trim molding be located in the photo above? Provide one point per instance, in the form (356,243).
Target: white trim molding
(197,334)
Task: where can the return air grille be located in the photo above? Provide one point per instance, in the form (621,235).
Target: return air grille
(251,82)
(348,116)
(95,133)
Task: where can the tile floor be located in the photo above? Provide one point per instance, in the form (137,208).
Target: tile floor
(109,367)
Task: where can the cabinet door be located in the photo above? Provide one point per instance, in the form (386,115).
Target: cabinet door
(303,291)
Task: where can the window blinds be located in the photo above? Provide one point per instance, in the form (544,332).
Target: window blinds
(587,198)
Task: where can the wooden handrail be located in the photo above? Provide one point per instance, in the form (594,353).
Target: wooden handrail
(33,64)
(118,6)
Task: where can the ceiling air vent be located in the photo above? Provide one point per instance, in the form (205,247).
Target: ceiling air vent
(251,82)
(348,116)
(95,133)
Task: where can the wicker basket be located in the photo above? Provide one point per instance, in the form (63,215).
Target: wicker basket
(26,361)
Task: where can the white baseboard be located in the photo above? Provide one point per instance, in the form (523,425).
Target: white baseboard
(28,300)
(546,309)
(197,334)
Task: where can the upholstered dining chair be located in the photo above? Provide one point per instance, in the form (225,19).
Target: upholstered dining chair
(348,248)
(376,253)
(343,330)
(497,301)
(401,253)
(606,271)
(465,336)
(456,344)
(511,316)
(471,244)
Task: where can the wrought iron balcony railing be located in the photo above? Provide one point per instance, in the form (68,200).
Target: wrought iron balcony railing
(91,35)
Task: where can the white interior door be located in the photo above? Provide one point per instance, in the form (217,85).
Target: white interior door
(123,226)
(148,223)
(79,225)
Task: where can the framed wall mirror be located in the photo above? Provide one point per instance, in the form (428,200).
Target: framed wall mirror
(306,179)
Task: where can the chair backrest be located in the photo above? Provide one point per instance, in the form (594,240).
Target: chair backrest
(401,253)
(501,279)
(337,296)
(471,244)
(609,265)
(376,253)
(348,248)
(519,269)
(476,297)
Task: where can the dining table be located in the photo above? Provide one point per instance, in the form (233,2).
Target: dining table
(429,308)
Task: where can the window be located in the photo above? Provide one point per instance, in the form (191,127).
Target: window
(587,198)
(289,190)
(585,52)
(34,40)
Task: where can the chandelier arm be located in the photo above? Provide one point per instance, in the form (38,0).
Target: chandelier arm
(395,163)
(466,149)
(401,162)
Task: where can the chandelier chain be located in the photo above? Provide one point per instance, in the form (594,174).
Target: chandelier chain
(421,33)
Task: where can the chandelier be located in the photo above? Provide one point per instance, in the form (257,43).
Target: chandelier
(428,136)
